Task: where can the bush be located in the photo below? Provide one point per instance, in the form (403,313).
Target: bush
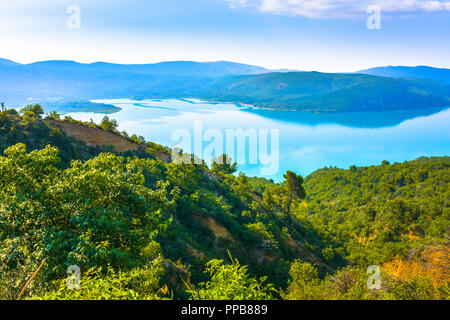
(232,282)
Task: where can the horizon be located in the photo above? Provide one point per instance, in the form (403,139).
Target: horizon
(218,61)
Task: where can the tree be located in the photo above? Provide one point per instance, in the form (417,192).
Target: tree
(304,282)
(31,114)
(224,165)
(54,115)
(293,185)
(93,214)
(34,109)
(185,176)
(109,125)
(268,200)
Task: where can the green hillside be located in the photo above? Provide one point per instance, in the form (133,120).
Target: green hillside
(383,204)
(321,92)
(142,228)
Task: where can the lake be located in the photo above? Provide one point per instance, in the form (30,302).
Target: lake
(307,141)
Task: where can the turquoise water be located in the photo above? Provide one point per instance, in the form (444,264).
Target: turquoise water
(307,141)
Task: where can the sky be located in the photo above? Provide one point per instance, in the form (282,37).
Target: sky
(321,35)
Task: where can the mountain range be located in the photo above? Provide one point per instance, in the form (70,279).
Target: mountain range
(420,72)
(388,88)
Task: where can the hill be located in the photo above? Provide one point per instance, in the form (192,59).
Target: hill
(211,216)
(142,227)
(322,92)
(376,209)
(420,72)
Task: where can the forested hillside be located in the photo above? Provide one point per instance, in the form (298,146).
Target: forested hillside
(326,92)
(142,228)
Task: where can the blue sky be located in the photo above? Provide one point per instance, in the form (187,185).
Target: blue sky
(323,35)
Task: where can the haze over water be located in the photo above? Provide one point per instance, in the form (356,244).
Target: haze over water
(307,141)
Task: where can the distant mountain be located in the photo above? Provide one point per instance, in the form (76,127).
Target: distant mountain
(72,81)
(421,72)
(64,81)
(176,68)
(5,62)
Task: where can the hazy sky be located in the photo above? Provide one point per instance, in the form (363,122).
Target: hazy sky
(323,35)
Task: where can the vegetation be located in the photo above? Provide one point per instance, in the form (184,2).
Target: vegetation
(82,106)
(142,228)
(231,282)
(376,213)
(322,92)
(137,284)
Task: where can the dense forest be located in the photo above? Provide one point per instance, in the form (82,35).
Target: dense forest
(139,226)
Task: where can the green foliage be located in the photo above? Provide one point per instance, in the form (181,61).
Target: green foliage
(293,189)
(81,106)
(109,125)
(31,114)
(32,109)
(350,283)
(260,230)
(92,214)
(347,284)
(137,139)
(111,215)
(223,165)
(37,134)
(376,213)
(231,282)
(418,288)
(54,115)
(304,281)
(95,284)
